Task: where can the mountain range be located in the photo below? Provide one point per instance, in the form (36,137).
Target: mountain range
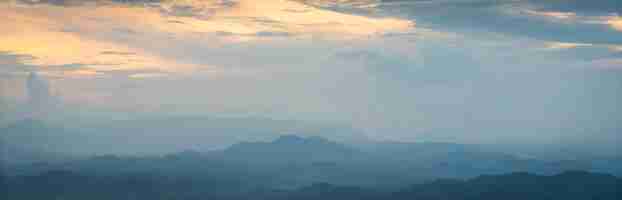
(292,161)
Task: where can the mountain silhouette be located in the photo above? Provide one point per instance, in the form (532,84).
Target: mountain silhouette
(291,161)
(62,184)
(290,149)
(569,185)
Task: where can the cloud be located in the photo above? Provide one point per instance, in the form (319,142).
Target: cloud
(616,48)
(566,21)
(38,88)
(12,63)
(553,14)
(147,75)
(117,53)
(26,29)
(19,64)
(565,45)
(613,64)
(615,22)
(243,17)
(79,32)
(597,7)
(581,52)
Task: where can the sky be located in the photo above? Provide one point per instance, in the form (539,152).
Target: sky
(468,71)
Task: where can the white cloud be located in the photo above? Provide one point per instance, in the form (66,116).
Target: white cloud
(565,45)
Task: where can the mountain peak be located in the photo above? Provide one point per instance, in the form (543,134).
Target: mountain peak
(289,148)
(289,139)
(295,139)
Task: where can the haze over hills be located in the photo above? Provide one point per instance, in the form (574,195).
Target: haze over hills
(198,133)
(210,133)
(287,166)
(291,161)
(295,167)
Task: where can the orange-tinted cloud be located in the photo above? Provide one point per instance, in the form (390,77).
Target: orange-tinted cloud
(39,32)
(116,36)
(615,22)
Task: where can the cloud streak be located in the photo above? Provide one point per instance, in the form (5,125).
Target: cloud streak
(83,33)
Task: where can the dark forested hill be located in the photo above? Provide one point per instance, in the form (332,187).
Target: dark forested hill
(568,185)
(68,185)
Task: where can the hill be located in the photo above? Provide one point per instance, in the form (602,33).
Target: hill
(579,185)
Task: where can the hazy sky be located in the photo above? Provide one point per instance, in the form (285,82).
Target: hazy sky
(542,71)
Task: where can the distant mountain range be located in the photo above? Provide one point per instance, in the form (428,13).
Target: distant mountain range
(153,135)
(292,161)
(290,149)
